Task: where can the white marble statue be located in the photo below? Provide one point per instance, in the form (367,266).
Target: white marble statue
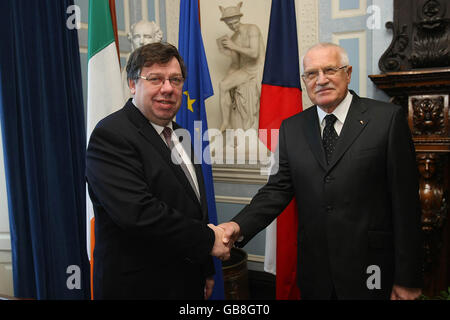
(141,33)
(240,89)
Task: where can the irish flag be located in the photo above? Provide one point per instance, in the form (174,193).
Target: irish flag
(104,83)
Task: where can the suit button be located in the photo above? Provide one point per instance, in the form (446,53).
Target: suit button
(328,179)
(329,209)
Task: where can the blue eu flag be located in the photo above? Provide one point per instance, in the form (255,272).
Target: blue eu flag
(192,114)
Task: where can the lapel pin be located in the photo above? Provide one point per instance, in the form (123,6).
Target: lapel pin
(361,121)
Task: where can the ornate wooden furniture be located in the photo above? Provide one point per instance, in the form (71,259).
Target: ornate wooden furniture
(416,75)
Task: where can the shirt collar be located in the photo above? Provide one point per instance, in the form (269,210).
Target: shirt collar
(341,110)
(159,128)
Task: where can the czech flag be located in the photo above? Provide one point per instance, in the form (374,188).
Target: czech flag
(281,97)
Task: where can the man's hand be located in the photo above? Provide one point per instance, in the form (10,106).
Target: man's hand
(403,293)
(209,285)
(220,250)
(231,233)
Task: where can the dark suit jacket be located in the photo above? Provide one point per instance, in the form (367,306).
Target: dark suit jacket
(152,238)
(360,210)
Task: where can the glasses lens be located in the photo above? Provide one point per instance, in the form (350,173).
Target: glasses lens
(310,75)
(156,81)
(176,81)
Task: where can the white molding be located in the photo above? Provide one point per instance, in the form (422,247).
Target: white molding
(336,13)
(5,241)
(144,9)
(233,200)
(157,13)
(172,21)
(126,19)
(126,16)
(242,175)
(307,16)
(5,258)
(6,274)
(255,258)
(361,35)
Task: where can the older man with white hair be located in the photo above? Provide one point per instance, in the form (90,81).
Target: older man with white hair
(350,163)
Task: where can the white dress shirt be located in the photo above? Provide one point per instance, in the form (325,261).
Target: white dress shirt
(340,112)
(179,148)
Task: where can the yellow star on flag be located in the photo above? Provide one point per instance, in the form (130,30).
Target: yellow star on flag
(190,101)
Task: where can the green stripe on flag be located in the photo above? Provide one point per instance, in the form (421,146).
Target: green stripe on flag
(101,32)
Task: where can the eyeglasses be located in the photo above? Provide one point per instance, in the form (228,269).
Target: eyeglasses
(175,82)
(327,72)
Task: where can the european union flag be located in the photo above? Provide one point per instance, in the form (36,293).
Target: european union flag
(192,114)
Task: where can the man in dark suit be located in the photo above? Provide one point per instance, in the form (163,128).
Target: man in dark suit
(350,163)
(152,235)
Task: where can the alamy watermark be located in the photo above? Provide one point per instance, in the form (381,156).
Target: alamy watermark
(374,280)
(230,147)
(74,19)
(374,19)
(74,279)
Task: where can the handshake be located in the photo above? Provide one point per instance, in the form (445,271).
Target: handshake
(225,236)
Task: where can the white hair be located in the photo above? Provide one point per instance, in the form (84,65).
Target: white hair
(343,54)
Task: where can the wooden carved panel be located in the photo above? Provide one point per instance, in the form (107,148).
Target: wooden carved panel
(416,75)
(430,35)
(429,114)
(421,30)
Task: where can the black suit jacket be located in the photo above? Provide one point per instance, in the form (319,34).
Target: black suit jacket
(360,210)
(152,239)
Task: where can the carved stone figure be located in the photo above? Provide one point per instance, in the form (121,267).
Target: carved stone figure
(240,89)
(141,33)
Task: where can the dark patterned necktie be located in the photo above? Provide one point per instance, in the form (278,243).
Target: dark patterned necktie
(167,133)
(330,136)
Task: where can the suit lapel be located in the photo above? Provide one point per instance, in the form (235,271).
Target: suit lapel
(149,133)
(311,130)
(197,169)
(355,122)
(201,187)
